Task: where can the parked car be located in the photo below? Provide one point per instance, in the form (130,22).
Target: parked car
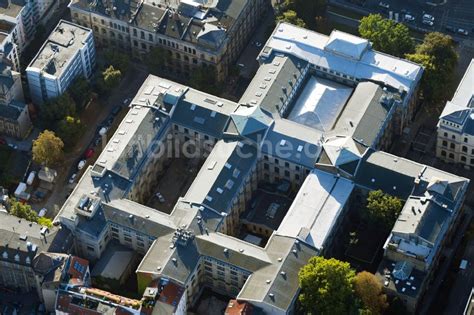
(3,141)
(428,17)
(126,101)
(103,131)
(81,164)
(258,44)
(13,146)
(42,212)
(428,22)
(409,18)
(160,197)
(384,5)
(116,110)
(463,32)
(450,28)
(72,178)
(89,153)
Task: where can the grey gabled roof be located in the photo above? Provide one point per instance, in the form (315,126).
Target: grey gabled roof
(221,177)
(272,84)
(365,113)
(250,121)
(393,175)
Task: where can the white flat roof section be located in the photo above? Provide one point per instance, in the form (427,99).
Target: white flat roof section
(320,201)
(320,103)
(334,52)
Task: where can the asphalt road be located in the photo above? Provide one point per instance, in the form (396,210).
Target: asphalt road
(455,13)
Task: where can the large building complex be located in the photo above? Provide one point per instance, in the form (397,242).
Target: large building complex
(68,53)
(455,143)
(311,120)
(191,33)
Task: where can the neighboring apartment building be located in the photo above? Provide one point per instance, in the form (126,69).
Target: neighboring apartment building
(314,115)
(25,15)
(68,53)
(14,115)
(455,142)
(21,242)
(191,33)
(8,46)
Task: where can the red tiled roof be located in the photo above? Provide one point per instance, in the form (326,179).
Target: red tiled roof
(238,308)
(75,272)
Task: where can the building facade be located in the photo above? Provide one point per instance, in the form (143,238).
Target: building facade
(68,53)
(455,141)
(189,33)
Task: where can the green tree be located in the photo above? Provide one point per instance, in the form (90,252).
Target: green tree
(326,286)
(69,129)
(117,59)
(204,78)
(23,211)
(56,109)
(111,77)
(81,92)
(369,290)
(386,35)
(156,60)
(383,208)
(45,222)
(438,56)
(47,148)
(308,11)
(290,16)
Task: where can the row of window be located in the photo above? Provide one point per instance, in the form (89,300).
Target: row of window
(451,156)
(453,146)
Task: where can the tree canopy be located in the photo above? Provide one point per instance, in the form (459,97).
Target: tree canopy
(69,129)
(307,11)
(204,78)
(56,109)
(369,290)
(290,16)
(386,35)
(111,77)
(326,286)
(156,60)
(81,92)
(24,211)
(438,56)
(47,148)
(117,59)
(383,208)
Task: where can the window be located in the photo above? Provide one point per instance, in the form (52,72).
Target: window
(287,173)
(451,155)
(452,146)
(134,32)
(472,161)
(297,177)
(464,148)
(277,170)
(465,139)
(266,166)
(287,164)
(142,35)
(453,137)
(276,161)
(463,158)
(443,153)
(445,143)
(150,37)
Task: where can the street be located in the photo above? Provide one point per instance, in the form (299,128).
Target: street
(455,13)
(91,118)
